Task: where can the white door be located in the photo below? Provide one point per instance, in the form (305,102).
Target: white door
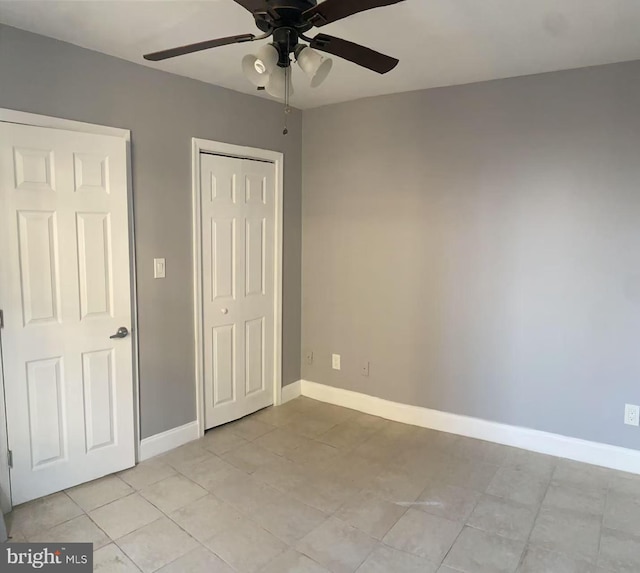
(238,250)
(64,290)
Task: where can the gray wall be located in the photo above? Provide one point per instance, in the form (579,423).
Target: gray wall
(163,112)
(480,245)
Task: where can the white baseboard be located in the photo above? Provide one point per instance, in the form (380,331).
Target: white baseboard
(291,391)
(535,440)
(165,441)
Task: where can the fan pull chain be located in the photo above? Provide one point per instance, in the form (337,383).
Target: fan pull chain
(287,108)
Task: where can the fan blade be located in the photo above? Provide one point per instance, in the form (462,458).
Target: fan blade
(332,10)
(253,5)
(365,57)
(180,51)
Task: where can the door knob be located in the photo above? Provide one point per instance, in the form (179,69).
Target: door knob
(122,333)
(224,310)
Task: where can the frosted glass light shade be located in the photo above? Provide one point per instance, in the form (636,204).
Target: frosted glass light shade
(258,66)
(276,84)
(315,65)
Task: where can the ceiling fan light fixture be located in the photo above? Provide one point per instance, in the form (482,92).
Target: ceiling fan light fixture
(277,83)
(257,67)
(314,64)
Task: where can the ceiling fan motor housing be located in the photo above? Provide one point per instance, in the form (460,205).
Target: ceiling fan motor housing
(284,13)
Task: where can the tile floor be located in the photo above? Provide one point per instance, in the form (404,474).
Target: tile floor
(313,488)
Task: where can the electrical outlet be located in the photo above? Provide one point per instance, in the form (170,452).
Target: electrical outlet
(364,369)
(309,357)
(335,361)
(631,415)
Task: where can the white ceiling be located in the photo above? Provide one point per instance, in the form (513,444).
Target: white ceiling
(438,42)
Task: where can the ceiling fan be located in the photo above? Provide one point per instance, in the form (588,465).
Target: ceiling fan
(287,21)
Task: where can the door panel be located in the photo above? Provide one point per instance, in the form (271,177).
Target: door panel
(99,398)
(40,280)
(64,289)
(238,254)
(94,260)
(45,391)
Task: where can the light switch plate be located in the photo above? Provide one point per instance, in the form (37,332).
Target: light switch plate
(159,268)
(335,361)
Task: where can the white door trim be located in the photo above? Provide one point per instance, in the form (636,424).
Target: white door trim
(240,151)
(36,120)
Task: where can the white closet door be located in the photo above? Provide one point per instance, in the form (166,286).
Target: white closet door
(238,249)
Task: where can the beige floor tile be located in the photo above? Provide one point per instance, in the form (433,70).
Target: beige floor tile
(619,552)
(623,483)
(622,512)
(540,561)
(206,517)
(250,457)
(309,426)
(351,469)
(221,440)
(309,460)
(125,515)
(332,413)
(283,474)
(379,448)
(582,476)
(466,473)
(146,473)
(323,493)
(479,450)
(200,560)
(188,454)
(477,551)
(385,559)
(99,492)
(246,546)
(347,435)
(111,559)
(371,514)
(250,428)
(368,421)
(293,562)
(245,493)
(77,530)
(314,455)
(156,544)
(518,483)
(278,417)
(287,518)
(535,463)
(424,535)
(281,442)
(40,514)
(218,479)
(205,473)
(16,537)
(338,546)
(448,501)
(585,500)
(503,517)
(564,531)
(172,493)
(398,486)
